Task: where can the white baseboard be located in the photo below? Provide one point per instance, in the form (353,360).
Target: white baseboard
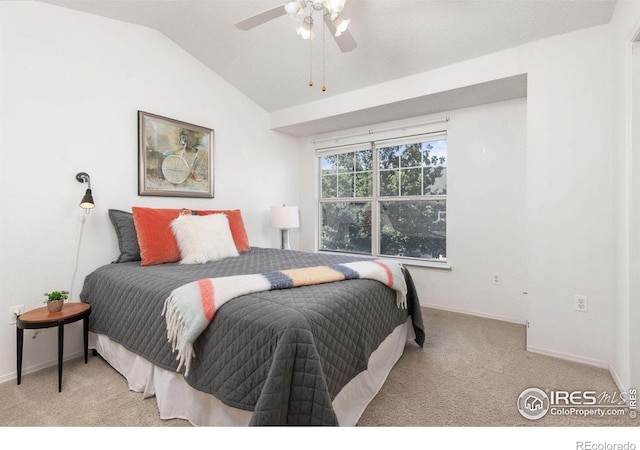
(543,351)
(569,357)
(477,314)
(38,367)
(617,380)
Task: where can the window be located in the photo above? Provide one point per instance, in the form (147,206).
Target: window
(386,198)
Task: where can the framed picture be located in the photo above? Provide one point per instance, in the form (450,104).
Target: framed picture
(175,158)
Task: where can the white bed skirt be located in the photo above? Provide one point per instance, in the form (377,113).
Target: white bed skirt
(177,400)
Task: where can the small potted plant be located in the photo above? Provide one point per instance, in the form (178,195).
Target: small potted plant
(55,299)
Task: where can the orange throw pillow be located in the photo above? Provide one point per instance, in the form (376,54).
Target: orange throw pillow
(156,239)
(236,224)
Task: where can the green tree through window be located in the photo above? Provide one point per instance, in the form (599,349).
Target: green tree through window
(398,209)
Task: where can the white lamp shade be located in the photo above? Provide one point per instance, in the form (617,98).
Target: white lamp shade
(284,217)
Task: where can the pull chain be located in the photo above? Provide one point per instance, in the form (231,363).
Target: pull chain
(310,47)
(324,88)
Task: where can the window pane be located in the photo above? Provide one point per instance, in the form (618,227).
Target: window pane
(363,184)
(329,186)
(411,155)
(346,227)
(435,180)
(416,229)
(364,160)
(345,162)
(435,167)
(411,181)
(329,164)
(345,185)
(388,157)
(389,186)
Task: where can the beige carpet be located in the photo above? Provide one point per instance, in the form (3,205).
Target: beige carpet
(470,373)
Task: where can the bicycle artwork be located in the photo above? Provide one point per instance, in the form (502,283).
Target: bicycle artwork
(176,169)
(175,158)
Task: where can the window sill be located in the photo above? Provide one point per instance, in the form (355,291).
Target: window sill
(439,265)
(420,263)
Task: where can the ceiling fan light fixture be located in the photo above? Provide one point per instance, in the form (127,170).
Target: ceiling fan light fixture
(305,30)
(302,12)
(292,8)
(334,6)
(342,26)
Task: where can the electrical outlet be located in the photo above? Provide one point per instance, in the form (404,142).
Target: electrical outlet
(496,278)
(14,312)
(580,303)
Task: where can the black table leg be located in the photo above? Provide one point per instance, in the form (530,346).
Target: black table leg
(60,351)
(85,329)
(19,340)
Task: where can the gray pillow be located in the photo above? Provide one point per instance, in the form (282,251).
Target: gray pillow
(127,238)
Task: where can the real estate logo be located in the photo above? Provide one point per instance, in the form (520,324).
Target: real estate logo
(533,403)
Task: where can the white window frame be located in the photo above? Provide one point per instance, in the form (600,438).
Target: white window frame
(375,199)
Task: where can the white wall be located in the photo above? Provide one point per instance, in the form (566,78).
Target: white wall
(567,184)
(70,87)
(625,345)
(569,221)
(486,204)
(633,314)
(486,208)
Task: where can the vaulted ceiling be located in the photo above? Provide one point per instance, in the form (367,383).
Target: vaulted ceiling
(271,63)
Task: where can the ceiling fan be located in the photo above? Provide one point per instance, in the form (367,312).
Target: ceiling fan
(303,11)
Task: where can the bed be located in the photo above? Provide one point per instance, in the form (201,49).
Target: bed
(309,355)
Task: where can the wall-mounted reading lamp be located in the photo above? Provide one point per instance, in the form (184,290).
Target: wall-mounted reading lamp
(87,200)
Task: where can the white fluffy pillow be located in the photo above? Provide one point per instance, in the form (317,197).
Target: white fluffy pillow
(203,238)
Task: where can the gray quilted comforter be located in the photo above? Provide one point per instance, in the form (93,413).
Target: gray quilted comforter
(282,354)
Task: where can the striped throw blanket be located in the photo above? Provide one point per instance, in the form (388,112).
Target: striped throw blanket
(191,307)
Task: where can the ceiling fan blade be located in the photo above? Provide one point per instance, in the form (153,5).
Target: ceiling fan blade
(345,41)
(260,18)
